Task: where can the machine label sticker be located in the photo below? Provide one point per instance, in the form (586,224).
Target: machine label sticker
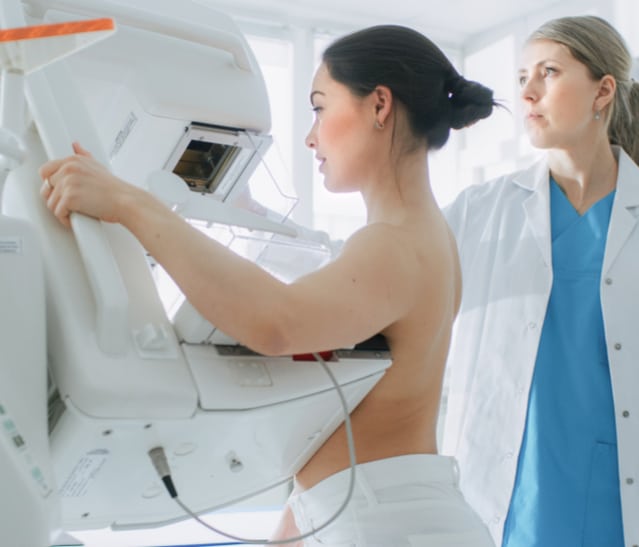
(123,134)
(18,442)
(87,468)
(10,245)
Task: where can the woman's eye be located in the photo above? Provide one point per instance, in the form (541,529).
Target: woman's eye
(522,80)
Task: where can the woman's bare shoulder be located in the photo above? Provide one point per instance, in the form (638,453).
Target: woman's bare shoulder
(387,237)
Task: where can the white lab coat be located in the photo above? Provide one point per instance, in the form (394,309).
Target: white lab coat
(503,233)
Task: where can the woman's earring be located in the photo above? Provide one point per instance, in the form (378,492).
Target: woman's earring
(379,125)
(597,115)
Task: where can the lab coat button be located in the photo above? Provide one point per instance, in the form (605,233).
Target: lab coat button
(630,480)
(617,345)
(625,413)
(608,281)
(532,325)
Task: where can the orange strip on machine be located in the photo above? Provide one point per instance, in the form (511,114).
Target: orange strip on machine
(56,29)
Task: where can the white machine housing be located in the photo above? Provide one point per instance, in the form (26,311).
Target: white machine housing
(175,91)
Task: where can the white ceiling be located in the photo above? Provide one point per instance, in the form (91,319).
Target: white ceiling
(448,21)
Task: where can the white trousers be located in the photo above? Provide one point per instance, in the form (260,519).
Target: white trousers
(405,501)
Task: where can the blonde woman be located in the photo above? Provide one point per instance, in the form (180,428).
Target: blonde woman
(543,414)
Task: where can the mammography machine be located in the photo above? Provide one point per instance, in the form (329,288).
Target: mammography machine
(98,365)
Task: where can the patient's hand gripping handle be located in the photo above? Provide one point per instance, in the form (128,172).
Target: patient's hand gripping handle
(58,112)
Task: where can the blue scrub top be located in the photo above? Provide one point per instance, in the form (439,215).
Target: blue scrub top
(566,491)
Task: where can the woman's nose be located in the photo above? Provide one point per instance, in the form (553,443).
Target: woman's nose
(528,91)
(310,139)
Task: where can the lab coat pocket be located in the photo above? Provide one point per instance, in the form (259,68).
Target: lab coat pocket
(451,539)
(602,510)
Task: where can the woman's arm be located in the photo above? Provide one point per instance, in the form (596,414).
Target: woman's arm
(366,288)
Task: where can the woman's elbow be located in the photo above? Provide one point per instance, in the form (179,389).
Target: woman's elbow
(270,338)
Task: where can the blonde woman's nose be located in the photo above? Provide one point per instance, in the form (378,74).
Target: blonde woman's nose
(528,91)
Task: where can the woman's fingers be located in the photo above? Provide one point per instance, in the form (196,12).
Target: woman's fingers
(52,189)
(77,148)
(56,203)
(52,200)
(50,167)
(62,213)
(45,189)
(79,183)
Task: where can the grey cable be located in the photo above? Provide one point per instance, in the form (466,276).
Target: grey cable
(163,471)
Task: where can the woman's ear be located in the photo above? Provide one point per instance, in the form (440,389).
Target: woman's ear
(383,100)
(606,92)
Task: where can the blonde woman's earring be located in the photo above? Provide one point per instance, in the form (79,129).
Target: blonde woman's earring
(379,125)
(597,115)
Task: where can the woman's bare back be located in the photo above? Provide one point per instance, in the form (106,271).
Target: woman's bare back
(399,416)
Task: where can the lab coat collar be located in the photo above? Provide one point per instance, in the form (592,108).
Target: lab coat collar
(625,208)
(535,176)
(627,181)
(625,211)
(536,206)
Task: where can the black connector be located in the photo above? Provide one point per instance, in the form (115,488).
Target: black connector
(161,464)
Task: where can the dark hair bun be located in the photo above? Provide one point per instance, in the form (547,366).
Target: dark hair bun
(421,78)
(469,101)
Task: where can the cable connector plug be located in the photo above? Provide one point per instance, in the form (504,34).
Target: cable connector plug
(161,464)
